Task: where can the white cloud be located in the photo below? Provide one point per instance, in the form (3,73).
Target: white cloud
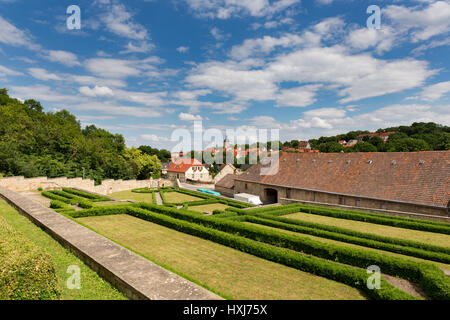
(96,91)
(225,9)
(297,97)
(11,35)
(154,138)
(43,74)
(112,68)
(183,49)
(423,22)
(64,57)
(4,71)
(436,91)
(189,117)
(119,21)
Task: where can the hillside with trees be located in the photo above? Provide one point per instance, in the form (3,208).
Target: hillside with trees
(35,143)
(420,136)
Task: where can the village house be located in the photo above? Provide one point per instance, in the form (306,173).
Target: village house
(188,170)
(400,183)
(224,170)
(383,135)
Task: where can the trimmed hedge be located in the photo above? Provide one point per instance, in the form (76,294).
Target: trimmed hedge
(348,275)
(287,223)
(26,271)
(413,252)
(101,211)
(396,266)
(87,195)
(143,190)
(82,203)
(404,223)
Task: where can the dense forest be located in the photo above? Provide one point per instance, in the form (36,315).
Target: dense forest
(35,143)
(420,136)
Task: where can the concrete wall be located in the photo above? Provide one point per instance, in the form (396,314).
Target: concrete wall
(225,171)
(225,191)
(107,186)
(288,195)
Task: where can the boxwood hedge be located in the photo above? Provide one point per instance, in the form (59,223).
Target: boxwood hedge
(286,223)
(87,195)
(351,276)
(421,225)
(26,271)
(413,252)
(396,266)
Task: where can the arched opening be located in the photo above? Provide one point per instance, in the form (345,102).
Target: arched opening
(271,195)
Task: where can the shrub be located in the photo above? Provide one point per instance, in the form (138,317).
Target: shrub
(143,190)
(39,189)
(351,276)
(396,266)
(286,224)
(87,195)
(413,252)
(389,221)
(26,271)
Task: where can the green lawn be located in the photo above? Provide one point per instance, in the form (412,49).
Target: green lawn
(93,287)
(388,231)
(128,195)
(177,197)
(209,207)
(231,273)
(351,245)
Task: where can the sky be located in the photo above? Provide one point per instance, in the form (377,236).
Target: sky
(153,70)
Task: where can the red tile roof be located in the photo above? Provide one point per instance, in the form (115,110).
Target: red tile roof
(183,165)
(415,177)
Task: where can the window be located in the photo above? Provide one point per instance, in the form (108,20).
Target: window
(358,203)
(288,193)
(246,186)
(341,200)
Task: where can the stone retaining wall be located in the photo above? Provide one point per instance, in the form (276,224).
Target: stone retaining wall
(107,186)
(135,276)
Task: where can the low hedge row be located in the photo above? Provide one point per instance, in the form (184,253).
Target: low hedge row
(81,202)
(87,195)
(406,224)
(413,252)
(101,211)
(396,266)
(378,215)
(348,275)
(226,215)
(286,223)
(143,190)
(26,271)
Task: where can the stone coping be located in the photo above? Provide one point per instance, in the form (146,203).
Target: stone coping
(135,276)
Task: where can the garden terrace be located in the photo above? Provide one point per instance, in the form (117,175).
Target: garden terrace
(269,239)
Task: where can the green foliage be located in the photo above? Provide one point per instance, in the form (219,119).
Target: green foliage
(34,143)
(398,222)
(420,136)
(351,276)
(26,272)
(401,249)
(87,195)
(395,266)
(64,197)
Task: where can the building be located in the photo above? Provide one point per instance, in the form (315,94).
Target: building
(188,170)
(164,167)
(224,170)
(226,185)
(413,183)
(383,135)
(304,145)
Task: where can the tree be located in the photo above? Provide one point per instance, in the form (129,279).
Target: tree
(331,147)
(142,164)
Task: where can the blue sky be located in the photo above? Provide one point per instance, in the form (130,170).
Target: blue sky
(308,68)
